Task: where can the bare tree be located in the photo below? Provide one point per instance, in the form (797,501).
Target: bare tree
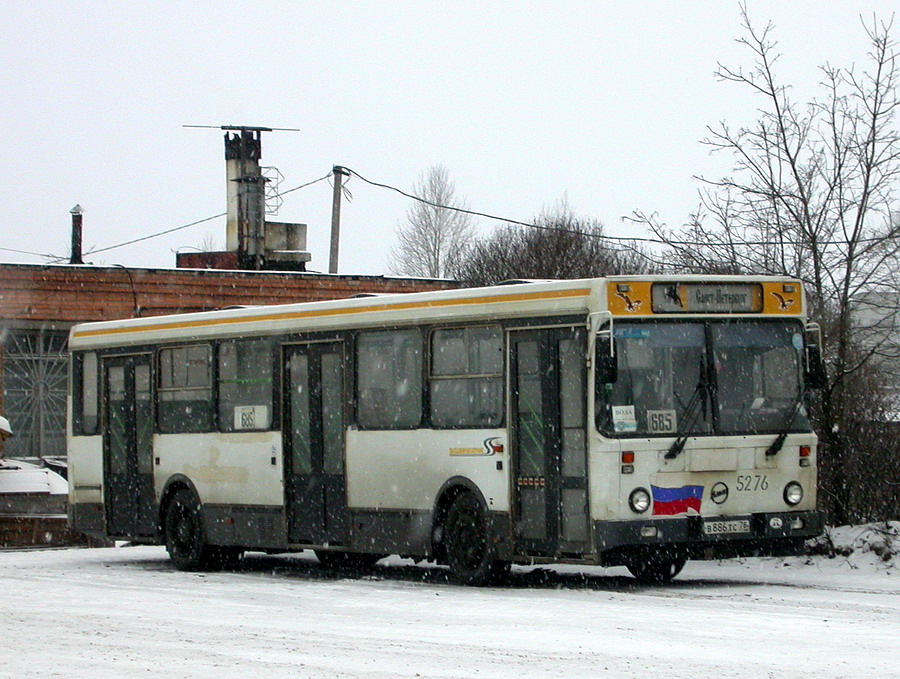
(558,246)
(432,237)
(811,194)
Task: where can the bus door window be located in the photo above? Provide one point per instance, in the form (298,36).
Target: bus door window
(117,419)
(529,413)
(301,426)
(143,418)
(572,407)
(332,414)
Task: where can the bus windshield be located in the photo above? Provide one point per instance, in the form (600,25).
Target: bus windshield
(711,377)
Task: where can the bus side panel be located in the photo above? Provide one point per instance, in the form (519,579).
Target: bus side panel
(604,463)
(85,472)
(238,478)
(226,469)
(394,478)
(405,470)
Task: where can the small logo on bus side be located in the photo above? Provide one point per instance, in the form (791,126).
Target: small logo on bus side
(492,446)
(718,493)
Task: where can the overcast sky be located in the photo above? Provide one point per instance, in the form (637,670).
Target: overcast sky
(524,103)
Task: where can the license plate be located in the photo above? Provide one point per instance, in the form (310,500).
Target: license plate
(726,527)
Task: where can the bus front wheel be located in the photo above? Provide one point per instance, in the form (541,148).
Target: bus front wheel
(468,545)
(185,539)
(656,570)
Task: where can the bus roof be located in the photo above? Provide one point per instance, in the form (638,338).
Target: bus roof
(543,298)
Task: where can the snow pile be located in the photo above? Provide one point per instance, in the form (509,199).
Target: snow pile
(868,544)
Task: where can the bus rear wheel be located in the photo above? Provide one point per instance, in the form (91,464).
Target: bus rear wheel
(185,538)
(468,545)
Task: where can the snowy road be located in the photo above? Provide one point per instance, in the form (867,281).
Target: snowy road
(126,612)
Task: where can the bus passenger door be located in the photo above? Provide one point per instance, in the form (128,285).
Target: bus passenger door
(548,429)
(128,447)
(316,496)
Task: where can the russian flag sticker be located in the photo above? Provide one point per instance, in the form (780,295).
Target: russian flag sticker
(670,501)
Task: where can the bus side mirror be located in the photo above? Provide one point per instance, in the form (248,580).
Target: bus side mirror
(815,375)
(607,363)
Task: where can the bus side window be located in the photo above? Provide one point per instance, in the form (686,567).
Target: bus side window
(245,385)
(466,380)
(185,389)
(85,421)
(389,379)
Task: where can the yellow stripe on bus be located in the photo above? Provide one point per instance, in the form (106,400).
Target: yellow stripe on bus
(296,315)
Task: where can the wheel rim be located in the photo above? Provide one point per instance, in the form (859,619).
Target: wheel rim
(183,532)
(468,545)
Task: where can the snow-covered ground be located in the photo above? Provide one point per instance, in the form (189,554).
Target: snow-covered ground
(126,612)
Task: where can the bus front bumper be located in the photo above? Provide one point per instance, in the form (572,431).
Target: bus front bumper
(708,537)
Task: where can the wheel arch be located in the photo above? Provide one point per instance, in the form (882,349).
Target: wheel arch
(452,489)
(175,483)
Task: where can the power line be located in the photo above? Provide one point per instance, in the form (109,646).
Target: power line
(34,254)
(303,186)
(154,235)
(199,221)
(476,213)
(624,239)
(450,207)
(530,225)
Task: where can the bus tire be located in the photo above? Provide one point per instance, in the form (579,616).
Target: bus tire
(185,537)
(469,549)
(656,570)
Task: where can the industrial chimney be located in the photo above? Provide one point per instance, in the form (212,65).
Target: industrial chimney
(75,256)
(251,242)
(246,195)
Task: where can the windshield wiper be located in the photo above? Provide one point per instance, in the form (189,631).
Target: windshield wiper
(691,413)
(785,427)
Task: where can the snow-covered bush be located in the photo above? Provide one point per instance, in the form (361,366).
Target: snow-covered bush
(880,539)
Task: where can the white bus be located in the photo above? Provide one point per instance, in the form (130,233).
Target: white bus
(638,421)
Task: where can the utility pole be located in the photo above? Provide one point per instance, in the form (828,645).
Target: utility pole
(338,173)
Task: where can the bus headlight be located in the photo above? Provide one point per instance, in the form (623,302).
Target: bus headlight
(639,500)
(793,493)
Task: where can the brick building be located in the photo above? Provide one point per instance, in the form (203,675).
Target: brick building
(39,303)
